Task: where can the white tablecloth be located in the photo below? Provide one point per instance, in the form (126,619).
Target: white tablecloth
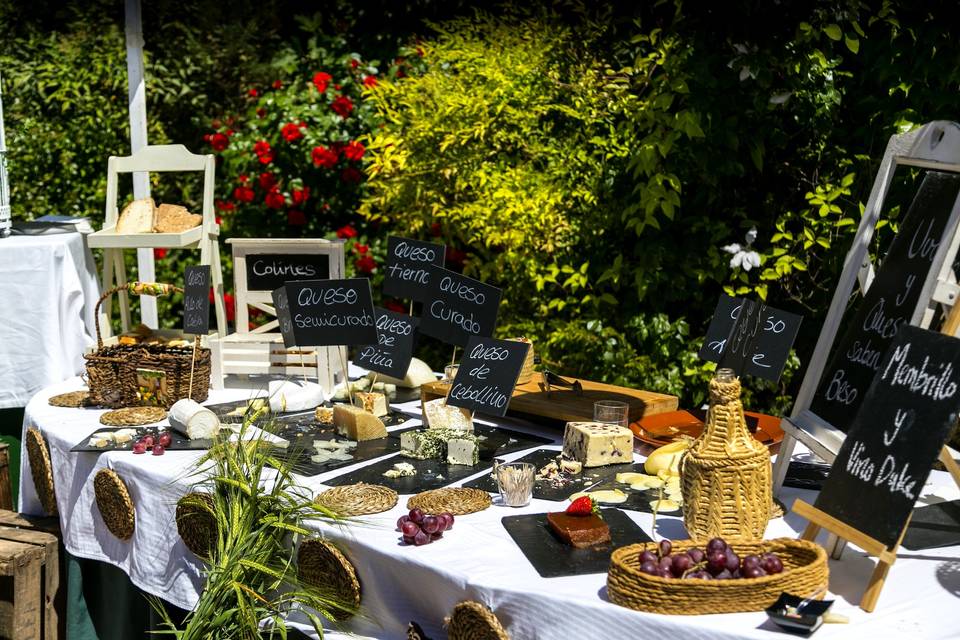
(476,560)
(48,289)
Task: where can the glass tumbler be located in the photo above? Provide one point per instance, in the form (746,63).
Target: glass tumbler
(515,481)
(612,412)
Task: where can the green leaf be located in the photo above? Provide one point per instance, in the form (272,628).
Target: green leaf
(852,43)
(833,31)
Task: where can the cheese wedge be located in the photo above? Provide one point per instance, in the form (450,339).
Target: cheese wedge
(375,403)
(437,414)
(596,444)
(356,424)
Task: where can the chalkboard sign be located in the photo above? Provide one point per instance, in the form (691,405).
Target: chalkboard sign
(408,269)
(396,333)
(267,271)
(457,307)
(904,419)
(889,303)
(487,375)
(756,344)
(332,312)
(196,300)
(282,305)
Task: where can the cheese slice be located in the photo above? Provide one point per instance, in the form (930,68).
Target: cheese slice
(463,449)
(137,217)
(323,415)
(596,444)
(375,403)
(357,424)
(424,444)
(437,414)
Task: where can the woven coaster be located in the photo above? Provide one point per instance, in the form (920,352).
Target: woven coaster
(471,620)
(73,399)
(358,499)
(458,501)
(321,565)
(196,523)
(41,470)
(133,416)
(114,503)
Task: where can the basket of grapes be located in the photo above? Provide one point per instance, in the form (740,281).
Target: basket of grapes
(690,578)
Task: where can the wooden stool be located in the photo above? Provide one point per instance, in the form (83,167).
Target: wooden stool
(29,583)
(6,495)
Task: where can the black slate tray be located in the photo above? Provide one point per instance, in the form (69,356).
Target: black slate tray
(179,442)
(499,441)
(545,489)
(553,558)
(427,477)
(301,449)
(223,408)
(934,526)
(636,500)
(303,422)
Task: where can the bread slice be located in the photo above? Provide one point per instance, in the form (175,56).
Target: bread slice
(137,217)
(173,218)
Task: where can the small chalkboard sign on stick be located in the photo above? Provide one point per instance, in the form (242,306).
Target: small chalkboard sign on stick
(196,300)
(332,312)
(487,375)
(899,431)
(409,267)
(391,354)
(750,337)
(282,306)
(457,308)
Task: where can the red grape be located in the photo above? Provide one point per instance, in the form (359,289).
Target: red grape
(665,547)
(158,450)
(681,564)
(165,439)
(421,538)
(733,560)
(666,563)
(753,572)
(408,539)
(139,447)
(430,524)
(771,563)
(716,562)
(650,567)
(449,517)
(648,556)
(723,575)
(436,536)
(409,528)
(716,544)
(401,520)
(700,575)
(416,515)
(147,440)
(665,573)
(697,555)
(750,561)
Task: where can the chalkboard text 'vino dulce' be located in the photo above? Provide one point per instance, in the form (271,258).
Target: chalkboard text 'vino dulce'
(888,304)
(903,422)
(409,265)
(458,307)
(332,312)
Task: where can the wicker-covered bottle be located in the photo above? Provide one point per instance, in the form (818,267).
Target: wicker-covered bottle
(726,474)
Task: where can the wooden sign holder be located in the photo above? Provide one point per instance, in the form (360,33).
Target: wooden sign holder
(935,145)
(260,351)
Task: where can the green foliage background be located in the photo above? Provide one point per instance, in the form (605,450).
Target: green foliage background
(591,159)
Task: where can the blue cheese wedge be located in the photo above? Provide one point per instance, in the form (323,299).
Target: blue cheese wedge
(595,444)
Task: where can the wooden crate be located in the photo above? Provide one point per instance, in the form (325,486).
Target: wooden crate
(6,494)
(29,582)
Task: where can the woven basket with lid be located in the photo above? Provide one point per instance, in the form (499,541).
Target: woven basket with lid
(726,473)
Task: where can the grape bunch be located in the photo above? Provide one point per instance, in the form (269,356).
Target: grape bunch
(717,562)
(158,445)
(419,529)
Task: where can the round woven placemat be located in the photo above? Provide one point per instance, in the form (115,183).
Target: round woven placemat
(114,503)
(358,499)
(73,399)
(41,470)
(133,416)
(196,523)
(321,565)
(457,500)
(471,620)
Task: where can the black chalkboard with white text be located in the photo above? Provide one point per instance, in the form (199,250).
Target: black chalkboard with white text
(267,271)
(196,300)
(332,312)
(905,418)
(409,267)
(396,334)
(756,343)
(487,375)
(888,304)
(282,306)
(457,307)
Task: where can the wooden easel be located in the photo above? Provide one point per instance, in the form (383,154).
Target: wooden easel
(935,145)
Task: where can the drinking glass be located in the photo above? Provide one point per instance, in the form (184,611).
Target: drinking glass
(450,372)
(515,481)
(611,412)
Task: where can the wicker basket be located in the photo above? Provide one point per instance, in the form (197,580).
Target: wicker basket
(112,370)
(726,473)
(526,373)
(805,573)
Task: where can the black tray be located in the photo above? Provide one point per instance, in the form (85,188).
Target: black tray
(223,408)
(425,479)
(636,500)
(301,450)
(498,441)
(545,489)
(553,558)
(933,526)
(179,442)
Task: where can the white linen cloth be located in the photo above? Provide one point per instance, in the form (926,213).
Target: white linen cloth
(476,560)
(48,289)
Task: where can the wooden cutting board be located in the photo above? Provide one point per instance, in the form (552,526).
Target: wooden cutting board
(565,404)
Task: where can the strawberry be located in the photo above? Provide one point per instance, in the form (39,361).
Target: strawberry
(582,506)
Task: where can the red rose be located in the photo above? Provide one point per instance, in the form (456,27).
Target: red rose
(354,151)
(267,181)
(274,199)
(337,87)
(342,106)
(370,81)
(261,147)
(261,112)
(435,230)
(296,218)
(401,74)
(159,254)
(300,196)
(230,121)
(351,176)
(366,264)
(243,194)
(266,158)
(206,137)
(219,142)
(218,219)
(291,132)
(361,248)
(216,124)
(243,178)
(277,84)
(224,205)
(321,80)
(354,63)
(393,305)
(229,132)
(228,302)
(456,257)
(346,231)
(252,93)
(324,157)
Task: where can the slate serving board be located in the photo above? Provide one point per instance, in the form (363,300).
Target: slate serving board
(636,500)
(301,450)
(934,526)
(223,408)
(179,442)
(544,489)
(499,441)
(431,474)
(553,558)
